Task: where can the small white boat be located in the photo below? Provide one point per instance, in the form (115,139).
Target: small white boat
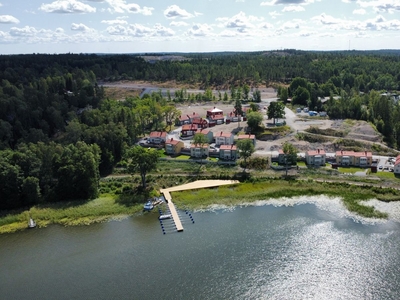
(148,206)
(164,217)
(31,223)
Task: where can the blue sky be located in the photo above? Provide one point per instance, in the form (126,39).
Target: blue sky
(125,26)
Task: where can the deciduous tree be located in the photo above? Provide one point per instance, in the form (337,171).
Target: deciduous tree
(276,110)
(141,160)
(246,149)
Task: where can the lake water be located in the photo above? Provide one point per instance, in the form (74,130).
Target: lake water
(302,251)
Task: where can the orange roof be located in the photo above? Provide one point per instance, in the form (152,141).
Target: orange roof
(156,134)
(316,152)
(203,131)
(189,127)
(172,142)
(223,134)
(355,154)
(227,147)
(246,136)
(184,118)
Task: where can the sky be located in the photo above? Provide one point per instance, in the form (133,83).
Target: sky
(151,26)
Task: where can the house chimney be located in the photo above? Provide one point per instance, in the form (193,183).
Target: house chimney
(194,113)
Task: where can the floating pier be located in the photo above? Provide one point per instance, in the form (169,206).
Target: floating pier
(190,186)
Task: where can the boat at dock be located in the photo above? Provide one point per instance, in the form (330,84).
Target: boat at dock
(164,217)
(31,223)
(148,206)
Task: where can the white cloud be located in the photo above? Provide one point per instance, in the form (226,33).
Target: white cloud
(389,6)
(360,11)
(24,31)
(120,6)
(67,7)
(200,30)
(139,30)
(293,8)
(163,31)
(80,27)
(290,25)
(174,11)
(274,14)
(198,14)
(7,19)
(114,22)
(286,2)
(325,19)
(178,24)
(1,5)
(266,25)
(239,21)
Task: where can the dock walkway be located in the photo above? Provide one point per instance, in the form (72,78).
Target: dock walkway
(190,186)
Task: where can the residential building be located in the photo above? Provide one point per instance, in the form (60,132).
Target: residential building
(157,137)
(215,116)
(396,167)
(208,133)
(252,137)
(351,158)
(224,138)
(316,157)
(197,150)
(173,147)
(228,152)
(200,122)
(188,130)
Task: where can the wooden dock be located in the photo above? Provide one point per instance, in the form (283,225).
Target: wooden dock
(190,186)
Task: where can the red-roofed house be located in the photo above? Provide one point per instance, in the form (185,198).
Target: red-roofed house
(396,168)
(173,146)
(247,136)
(200,122)
(316,157)
(351,158)
(228,152)
(157,137)
(216,116)
(208,133)
(223,138)
(187,119)
(196,150)
(188,130)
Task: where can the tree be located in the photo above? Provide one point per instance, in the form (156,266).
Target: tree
(238,110)
(77,169)
(246,91)
(276,110)
(170,113)
(253,120)
(290,153)
(257,96)
(200,139)
(246,149)
(141,160)
(301,96)
(284,94)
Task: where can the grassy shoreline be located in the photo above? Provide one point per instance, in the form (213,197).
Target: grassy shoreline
(112,206)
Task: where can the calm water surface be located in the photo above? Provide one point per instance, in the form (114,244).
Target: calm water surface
(266,252)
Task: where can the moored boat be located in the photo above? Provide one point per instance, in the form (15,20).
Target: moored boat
(31,223)
(148,206)
(164,217)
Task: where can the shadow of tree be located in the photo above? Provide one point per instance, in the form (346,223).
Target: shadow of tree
(133,196)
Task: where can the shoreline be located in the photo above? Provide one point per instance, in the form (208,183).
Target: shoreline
(106,208)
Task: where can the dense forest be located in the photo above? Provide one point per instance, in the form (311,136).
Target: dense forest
(58,132)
